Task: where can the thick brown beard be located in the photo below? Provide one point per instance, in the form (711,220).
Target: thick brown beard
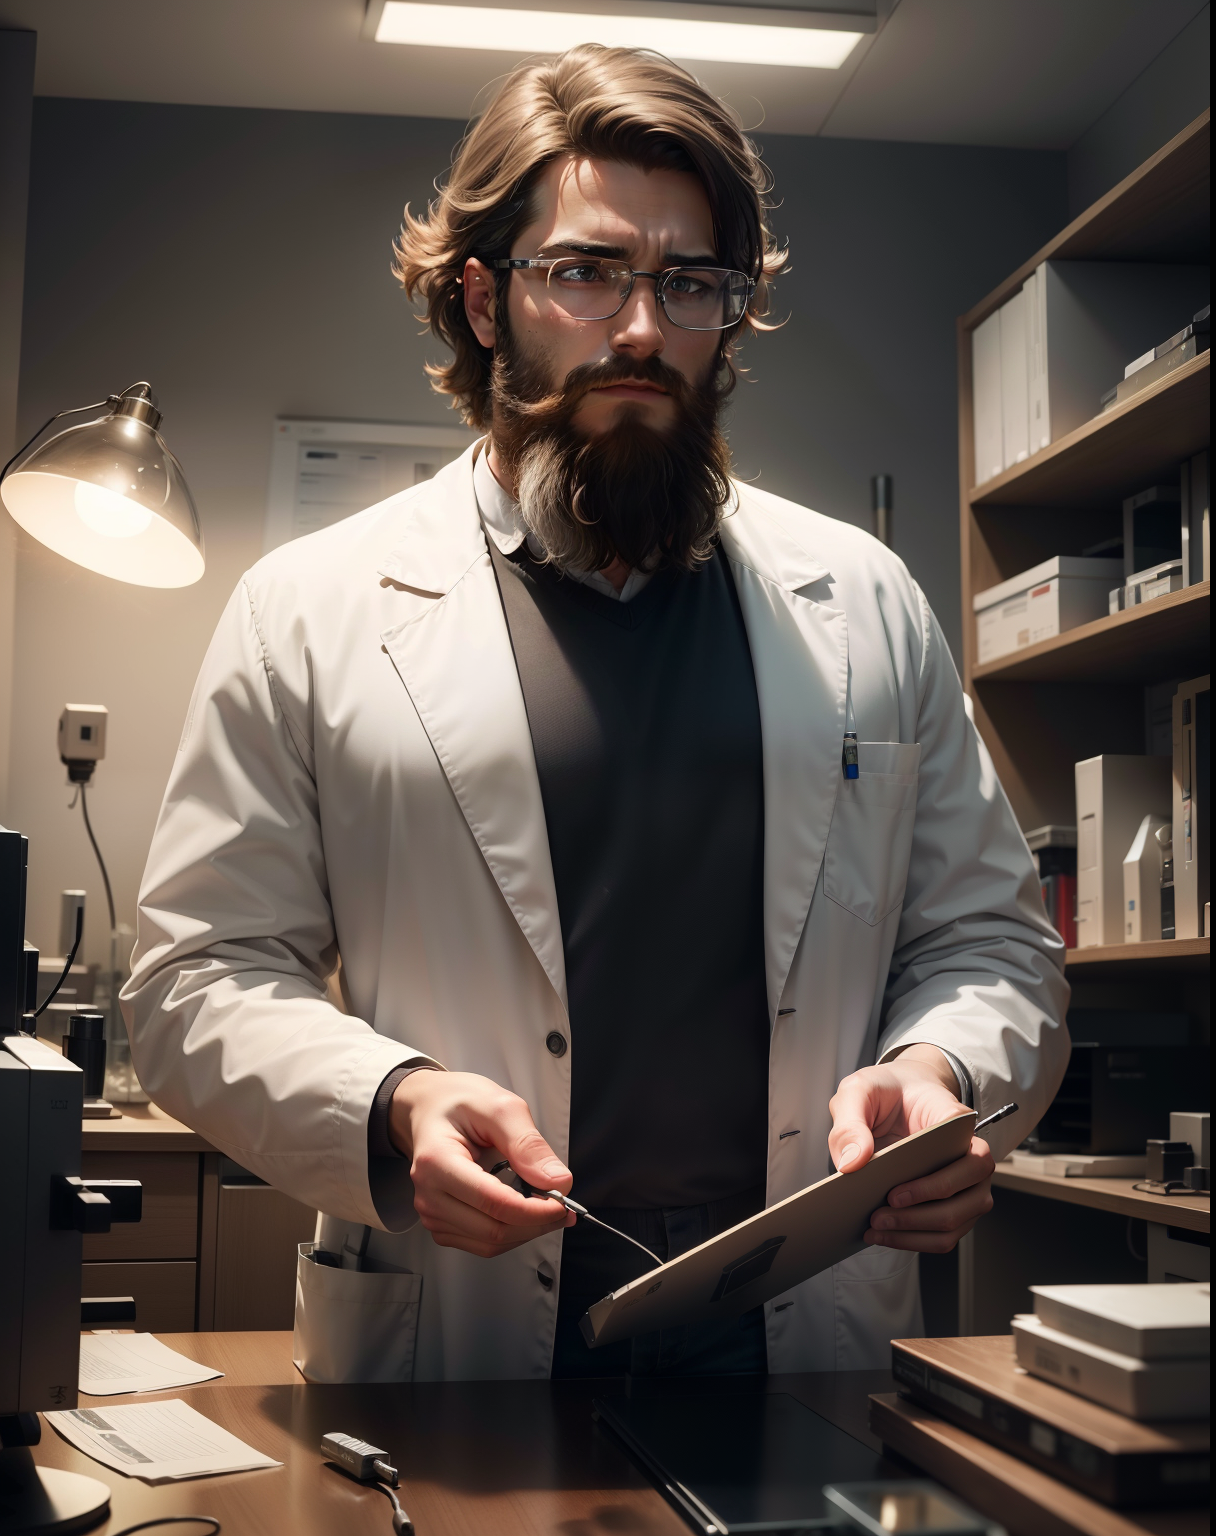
(652,498)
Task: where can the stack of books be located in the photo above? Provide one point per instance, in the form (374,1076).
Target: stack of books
(1139,1356)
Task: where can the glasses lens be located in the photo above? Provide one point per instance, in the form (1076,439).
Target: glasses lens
(588,290)
(705,298)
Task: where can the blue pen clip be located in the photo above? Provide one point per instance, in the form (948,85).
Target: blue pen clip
(848,756)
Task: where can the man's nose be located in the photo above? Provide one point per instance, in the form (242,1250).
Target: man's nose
(635,326)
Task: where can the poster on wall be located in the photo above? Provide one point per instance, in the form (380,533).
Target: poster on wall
(323,471)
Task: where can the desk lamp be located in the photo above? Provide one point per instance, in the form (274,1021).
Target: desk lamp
(109,495)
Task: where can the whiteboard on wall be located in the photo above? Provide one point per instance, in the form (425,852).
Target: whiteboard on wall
(323,471)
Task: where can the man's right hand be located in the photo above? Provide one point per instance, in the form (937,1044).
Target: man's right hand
(443,1122)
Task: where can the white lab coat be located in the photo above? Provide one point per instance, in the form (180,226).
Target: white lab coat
(356,779)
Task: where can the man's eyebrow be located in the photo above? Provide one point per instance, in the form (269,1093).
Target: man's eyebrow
(619,253)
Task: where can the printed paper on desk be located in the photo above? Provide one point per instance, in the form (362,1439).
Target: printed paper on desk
(113,1363)
(159,1442)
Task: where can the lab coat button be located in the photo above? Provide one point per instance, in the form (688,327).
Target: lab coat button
(556,1043)
(544,1273)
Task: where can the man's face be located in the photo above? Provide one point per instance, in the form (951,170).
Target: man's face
(650,220)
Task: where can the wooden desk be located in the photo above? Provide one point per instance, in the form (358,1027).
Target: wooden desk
(214,1248)
(508,1458)
(141,1128)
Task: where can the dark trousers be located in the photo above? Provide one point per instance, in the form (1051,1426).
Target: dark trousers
(595,1262)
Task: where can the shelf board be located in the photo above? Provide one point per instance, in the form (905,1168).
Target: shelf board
(1161,212)
(1168,637)
(1116,1195)
(1116,454)
(1115,962)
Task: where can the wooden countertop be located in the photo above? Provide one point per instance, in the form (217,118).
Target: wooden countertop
(516,1458)
(1194,1212)
(141,1128)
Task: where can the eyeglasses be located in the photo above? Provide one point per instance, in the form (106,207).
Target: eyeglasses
(588,288)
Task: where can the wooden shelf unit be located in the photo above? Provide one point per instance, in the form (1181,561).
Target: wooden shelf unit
(1045,708)
(1163,638)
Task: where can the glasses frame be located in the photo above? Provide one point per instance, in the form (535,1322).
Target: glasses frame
(661,279)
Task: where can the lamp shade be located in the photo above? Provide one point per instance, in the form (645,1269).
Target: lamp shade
(111,497)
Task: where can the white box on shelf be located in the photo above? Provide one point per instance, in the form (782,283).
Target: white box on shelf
(986,398)
(1142,865)
(1114,794)
(1041,603)
(1192,778)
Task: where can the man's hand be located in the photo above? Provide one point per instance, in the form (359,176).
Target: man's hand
(443,1122)
(878,1105)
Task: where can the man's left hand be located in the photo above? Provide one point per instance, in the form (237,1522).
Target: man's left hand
(878,1105)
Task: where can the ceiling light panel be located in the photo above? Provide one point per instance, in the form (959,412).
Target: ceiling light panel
(496,29)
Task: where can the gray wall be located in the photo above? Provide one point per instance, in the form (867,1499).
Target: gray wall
(239,260)
(16,110)
(1171,92)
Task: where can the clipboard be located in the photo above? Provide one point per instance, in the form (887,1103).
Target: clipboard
(777,1248)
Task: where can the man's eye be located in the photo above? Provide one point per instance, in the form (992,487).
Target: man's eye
(686,285)
(583,274)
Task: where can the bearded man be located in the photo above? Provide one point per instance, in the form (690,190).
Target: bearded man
(554,754)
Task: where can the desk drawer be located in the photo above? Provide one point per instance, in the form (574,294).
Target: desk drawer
(164,1293)
(169,1229)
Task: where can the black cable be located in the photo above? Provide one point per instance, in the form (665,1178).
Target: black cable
(88,826)
(146,1525)
(401,1521)
(50,997)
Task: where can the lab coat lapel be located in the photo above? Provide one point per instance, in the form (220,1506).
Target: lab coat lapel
(800,657)
(452,650)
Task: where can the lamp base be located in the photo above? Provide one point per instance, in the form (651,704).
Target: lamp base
(45,1499)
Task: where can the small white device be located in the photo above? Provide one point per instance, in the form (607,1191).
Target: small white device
(82,739)
(370,1465)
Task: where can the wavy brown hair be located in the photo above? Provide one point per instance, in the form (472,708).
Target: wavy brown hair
(619,104)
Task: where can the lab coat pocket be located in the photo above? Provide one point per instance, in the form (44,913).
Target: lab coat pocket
(354,1325)
(865,865)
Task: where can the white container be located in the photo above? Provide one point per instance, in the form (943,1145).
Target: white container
(1041,603)
(1146,1390)
(1114,794)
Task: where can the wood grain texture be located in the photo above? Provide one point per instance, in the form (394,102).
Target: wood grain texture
(507,1458)
(141,1128)
(1024,1500)
(246,1359)
(164,1293)
(989,1365)
(1141,440)
(1160,212)
(1194,1212)
(168,1228)
(257,1231)
(1166,637)
(1122,961)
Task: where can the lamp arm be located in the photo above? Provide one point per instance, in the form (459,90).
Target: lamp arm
(74,411)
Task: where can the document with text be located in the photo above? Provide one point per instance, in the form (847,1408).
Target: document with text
(158,1442)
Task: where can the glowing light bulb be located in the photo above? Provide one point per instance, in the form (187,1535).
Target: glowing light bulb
(109,514)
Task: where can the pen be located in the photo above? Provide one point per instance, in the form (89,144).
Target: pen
(1007,1109)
